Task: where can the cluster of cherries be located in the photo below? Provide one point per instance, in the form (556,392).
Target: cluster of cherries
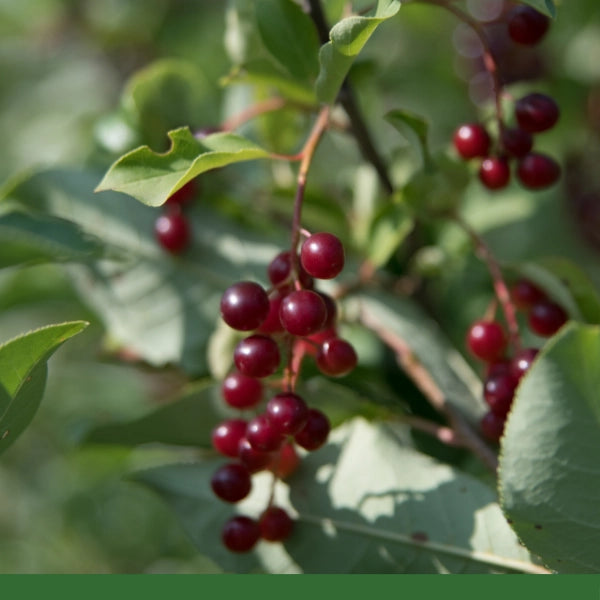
(533,113)
(172,228)
(294,316)
(488,342)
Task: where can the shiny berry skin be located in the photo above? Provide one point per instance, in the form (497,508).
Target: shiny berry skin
(526,25)
(285,461)
(536,112)
(315,432)
(263,435)
(287,412)
(257,356)
(241,391)
(254,460)
(546,318)
(336,357)
(279,271)
(516,142)
(537,171)
(525,294)
(521,362)
(303,312)
(492,426)
(227,435)
(172,231)
(331,307)
(244,305)
(486,340)
(272,324)
(184,195)
(471,140)
(498,392)
(240,534)
(322,255)
(231,482)
(494,173)
(275,524)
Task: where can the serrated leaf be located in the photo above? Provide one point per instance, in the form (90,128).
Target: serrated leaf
(23,375)
(29,238)
(549,475)
(415,129)
(546,7)
(151,177)
(369,504)
(289,35)
(347,39)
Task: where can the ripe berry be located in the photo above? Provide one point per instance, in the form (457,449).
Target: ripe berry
(516,142)
(336,357)
(536,112)
(287,412)
(226,436)
(184,195)
(244,305)
(285,461)
(322,255)
(525,294)
(279,271)
(172,232)
(241,391)
(537,171)
(498,392)
(240,534)
(521,362)
(275,524)
(303,312)
(254,460)
(331,307)
(231,482)
(492,426)
(315,432)
(272,324)
(472,140)
(257,356)
(486,340)
(546,318)
(494,173)
(526,25)
(263,435)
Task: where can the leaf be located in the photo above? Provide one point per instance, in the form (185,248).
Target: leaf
(28,238)
(398,316)
(546,7)
(549,475)
(290,37)
(369,505)
(347,39)
(415,129)
(23,375)
(151,177)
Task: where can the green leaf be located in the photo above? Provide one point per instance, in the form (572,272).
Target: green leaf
(415,129)
(347,39)
(549,475)
(28,238)
(546,7)
(290,37)
(23,375)
(151,177)
(368,503)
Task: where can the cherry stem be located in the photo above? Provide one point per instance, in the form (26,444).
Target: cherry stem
(500,288)
(260,108)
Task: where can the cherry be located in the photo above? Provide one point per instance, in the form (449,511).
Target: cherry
(494,173)
(184,195)
(336,357)
(471,140)
(546,318)
(257,356)
(254,460)
(244,305)
(303,312)
(537,171)
(498,392)
(231,482)
(240,534)
(275,524)
(263,435)
(315,432)
(241,391)
(525,294)
(536,112)
(526,25)
(331,307)
(172,231)
(272,324)
(516,142)
(322,255)
(486,340)
(287,412)
(286,461)
(226,436)
(280,268)
(521,362)
(492,426)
